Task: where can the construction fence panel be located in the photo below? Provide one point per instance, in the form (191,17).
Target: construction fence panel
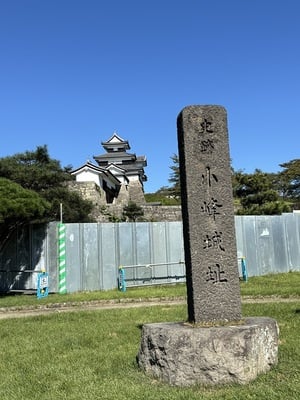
(153,251)
(270,244)
(292,236)
(30,250)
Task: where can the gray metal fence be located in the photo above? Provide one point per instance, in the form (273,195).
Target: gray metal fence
(30,249)
(94,252)
(270,243)
(153,251)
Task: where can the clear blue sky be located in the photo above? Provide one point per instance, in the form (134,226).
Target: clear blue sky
(74,71)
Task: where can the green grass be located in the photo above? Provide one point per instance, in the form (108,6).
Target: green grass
(148,292)
(91,355)
(285,285)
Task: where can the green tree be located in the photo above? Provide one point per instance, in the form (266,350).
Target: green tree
(257,194)
(175,177)
(132,211)
(74,207)
(290,181)
(18,205)
(36,171)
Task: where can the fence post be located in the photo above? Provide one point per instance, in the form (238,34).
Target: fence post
(122,282)
(42,285)
(244,269)
(62,285)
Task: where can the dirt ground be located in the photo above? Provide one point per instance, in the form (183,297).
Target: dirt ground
(13,312)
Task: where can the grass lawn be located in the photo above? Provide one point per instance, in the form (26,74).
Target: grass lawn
(285,285)
(91,354)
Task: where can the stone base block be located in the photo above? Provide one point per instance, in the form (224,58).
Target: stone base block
(183,355)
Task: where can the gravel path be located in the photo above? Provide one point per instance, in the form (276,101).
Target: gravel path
(13,312)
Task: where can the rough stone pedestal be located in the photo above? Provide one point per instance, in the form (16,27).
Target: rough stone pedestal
(183,355)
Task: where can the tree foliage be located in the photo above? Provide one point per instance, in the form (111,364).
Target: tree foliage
(174,179)
(34,170)
(290,178)
(259,193)
(19,204)
(132,211)
(36,173)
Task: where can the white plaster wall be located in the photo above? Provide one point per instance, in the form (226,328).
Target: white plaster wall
(88,176)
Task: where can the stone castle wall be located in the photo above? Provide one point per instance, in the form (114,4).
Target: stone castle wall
(104,212)
(136,192)
(112,212)
(162,213)
(91,191)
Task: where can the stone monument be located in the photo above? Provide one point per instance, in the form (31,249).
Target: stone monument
(215,345)
(208,216)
